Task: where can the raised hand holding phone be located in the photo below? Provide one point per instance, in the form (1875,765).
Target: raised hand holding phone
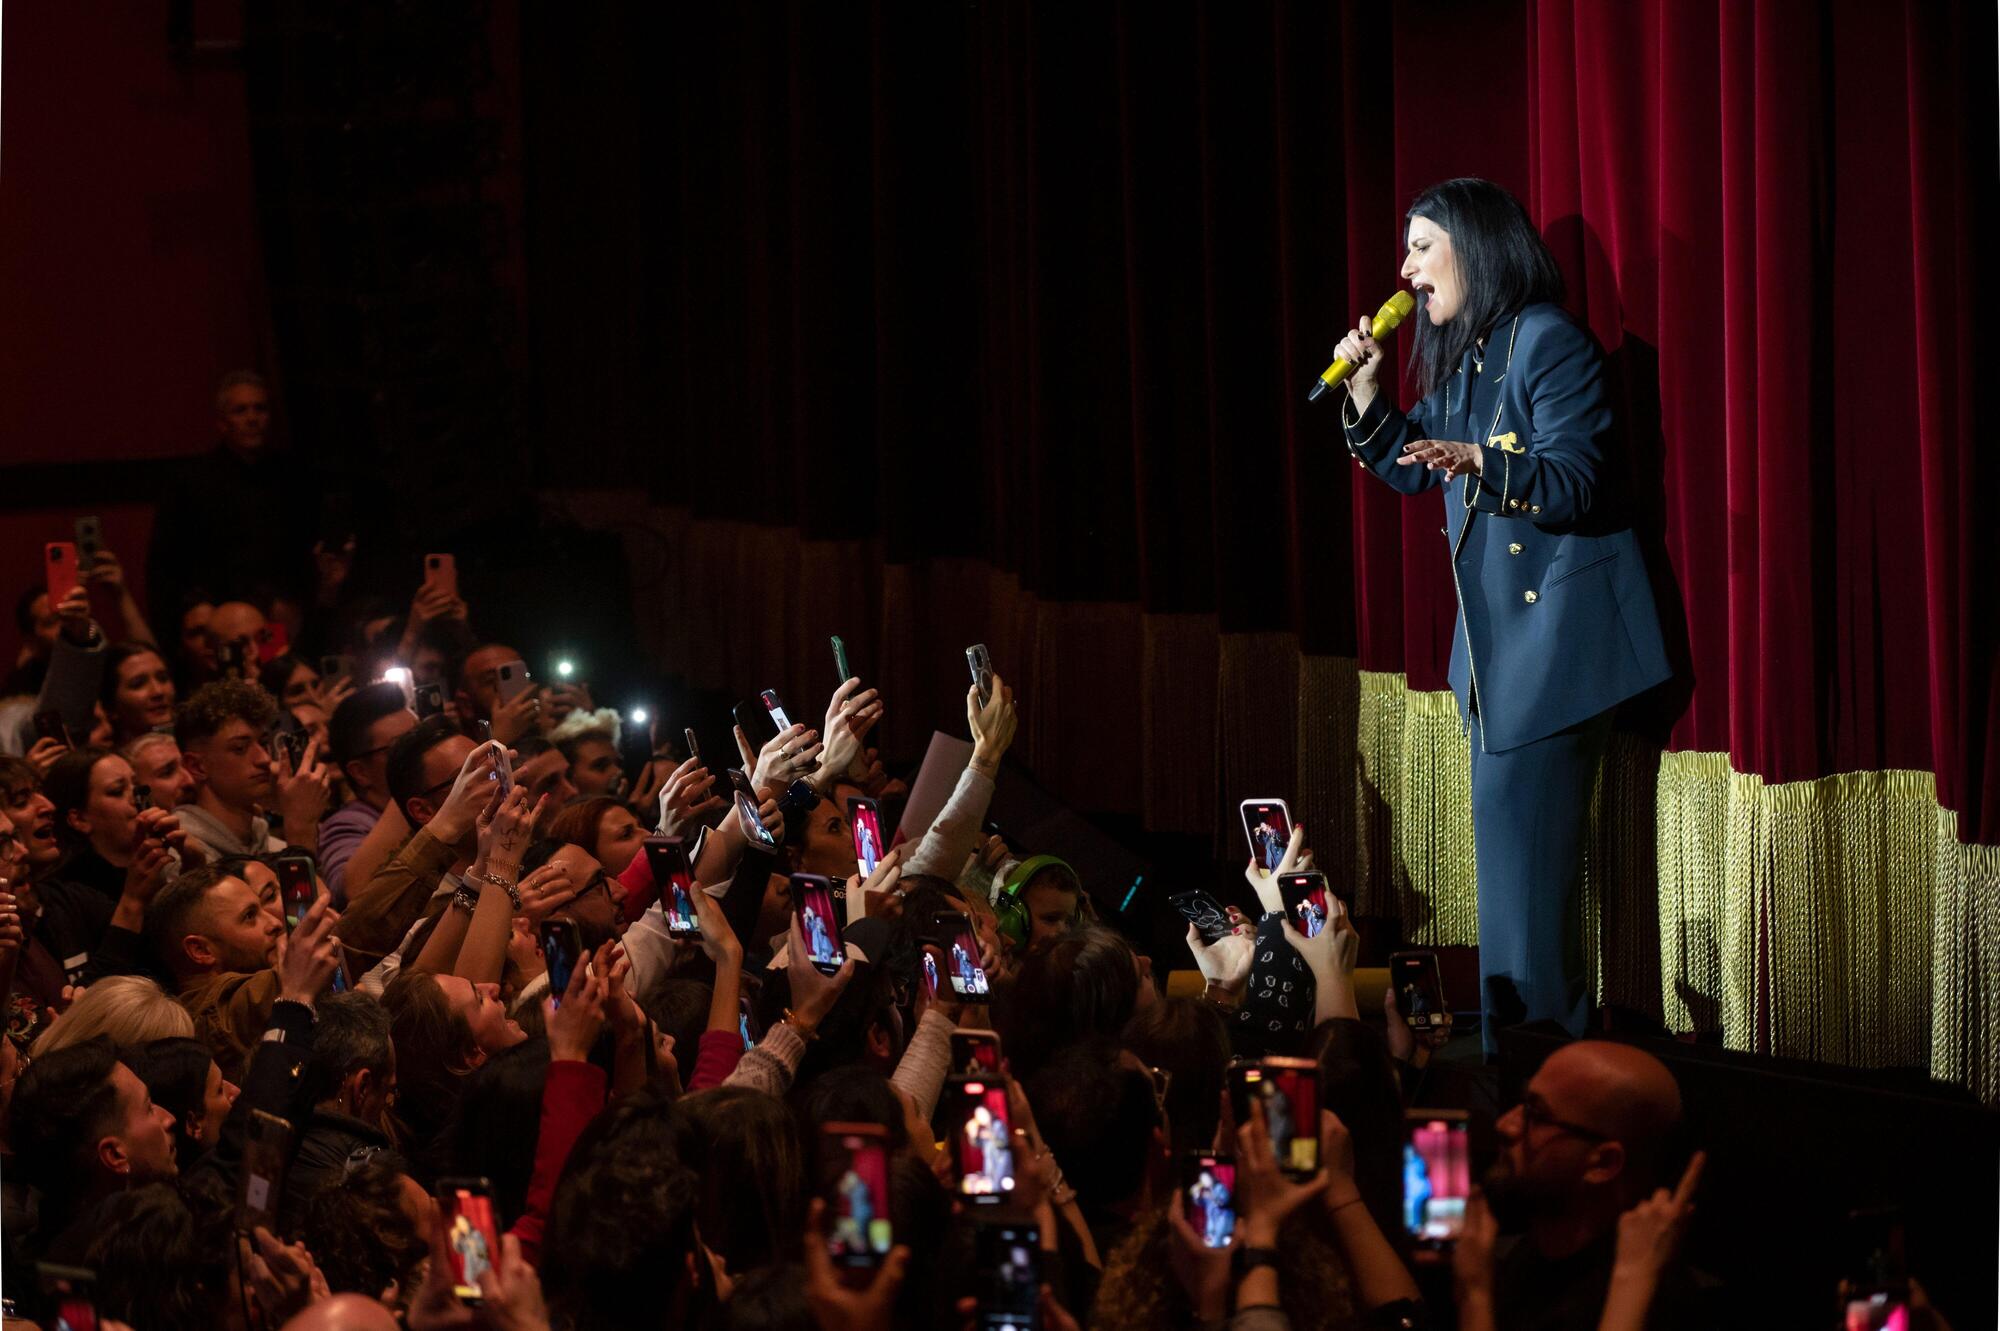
(992,723)
(1264,882)
(687,797)
(813,994)
(309,955)
(1330,955)
(837,1305)
(1224,964)
(1648,1234)
(573,1023)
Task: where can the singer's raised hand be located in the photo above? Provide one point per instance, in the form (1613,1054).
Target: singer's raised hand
(1361,348)
(1454,459)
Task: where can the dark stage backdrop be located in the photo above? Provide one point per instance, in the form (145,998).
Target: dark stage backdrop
(1023,297)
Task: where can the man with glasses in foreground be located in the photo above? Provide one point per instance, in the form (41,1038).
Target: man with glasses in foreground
(1593,1138)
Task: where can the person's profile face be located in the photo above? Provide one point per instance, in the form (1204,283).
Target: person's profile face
(242,415)
(236,766)
(47,623)
(1430,269)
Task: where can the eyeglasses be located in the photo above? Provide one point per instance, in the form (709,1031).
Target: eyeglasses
(1535,1114)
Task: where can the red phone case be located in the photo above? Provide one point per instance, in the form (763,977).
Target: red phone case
(60,566)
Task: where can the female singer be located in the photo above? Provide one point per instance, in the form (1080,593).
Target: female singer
(1556,624)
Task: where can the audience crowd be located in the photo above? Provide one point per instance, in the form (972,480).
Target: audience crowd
(275,953)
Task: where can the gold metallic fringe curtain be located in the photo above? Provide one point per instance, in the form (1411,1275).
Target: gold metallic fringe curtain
(1837,919)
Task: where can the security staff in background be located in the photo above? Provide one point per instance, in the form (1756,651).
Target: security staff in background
(1556,624)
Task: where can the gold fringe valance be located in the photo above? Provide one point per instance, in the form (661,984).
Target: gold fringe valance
(1838,919)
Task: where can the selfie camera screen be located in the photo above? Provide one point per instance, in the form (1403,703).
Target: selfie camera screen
(1210,1203)
(474,1242)
(1270,834)
(861,1231)
(968,978)
(867,838)
(985,1154)
(820,927)
(1437,1178)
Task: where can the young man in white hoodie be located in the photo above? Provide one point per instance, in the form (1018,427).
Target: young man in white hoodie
(222,732)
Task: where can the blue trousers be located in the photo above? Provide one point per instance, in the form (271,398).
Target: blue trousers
(1530,812)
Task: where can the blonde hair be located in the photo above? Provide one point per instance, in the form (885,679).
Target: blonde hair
(128,1009)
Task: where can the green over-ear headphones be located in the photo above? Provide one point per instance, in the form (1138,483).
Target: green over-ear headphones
(1012,911)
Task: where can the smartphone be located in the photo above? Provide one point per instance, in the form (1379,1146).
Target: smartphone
(441,572)
(273,641)
(930,973)
(819,921)
(267,1149)
(69,1296)
(694,747)
(747,810)
(864,820)
(1268,826)
(429,701)
(1304,896)
(469,1218)
(503,767)
(1419,990)
(49,725)
(769,697)
(668,857)
(1288,1088)
(336,667)
(840,665)
(1204,912)
(1208,1196)
(980,663)
(59,564)
(981,1133)
(513,680)
(975,1053)
(229,659)
(1437,1175)
(562,948)
(1008,1262)
(142,798)
(1878,1282)
(953,931)
(295,887)
(855,1162)
(89,540)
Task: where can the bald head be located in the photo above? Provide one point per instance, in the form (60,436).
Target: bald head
(235,621)
(1621,1091)
(344,1312)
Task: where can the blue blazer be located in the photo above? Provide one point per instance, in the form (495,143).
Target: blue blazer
(1556,619)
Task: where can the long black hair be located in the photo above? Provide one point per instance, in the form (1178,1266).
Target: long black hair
(1502,264)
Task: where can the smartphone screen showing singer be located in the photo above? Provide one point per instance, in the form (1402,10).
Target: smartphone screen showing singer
(982,1138)
(1288,1088)
(1437,1177)
(474,1235)
(1208,1197)
(866,821)
(861,1232)
(961,954)
(1008,1259)
(819,925)
(1305,900)
(1268,825)
(667,858)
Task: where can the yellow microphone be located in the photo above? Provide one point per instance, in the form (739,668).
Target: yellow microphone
(1394,310)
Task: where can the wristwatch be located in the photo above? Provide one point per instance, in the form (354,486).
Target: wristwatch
(1247,1260)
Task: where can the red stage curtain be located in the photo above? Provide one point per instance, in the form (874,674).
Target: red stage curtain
(1038,286)
(1767,211)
